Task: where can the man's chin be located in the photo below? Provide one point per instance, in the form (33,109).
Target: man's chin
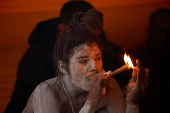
(85,87)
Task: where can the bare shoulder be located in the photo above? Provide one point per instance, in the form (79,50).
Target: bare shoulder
(113,86)
(47,89)
(43,96)
(113,91)
(116,98)
(46,85)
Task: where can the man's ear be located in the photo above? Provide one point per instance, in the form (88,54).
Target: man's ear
(62,67)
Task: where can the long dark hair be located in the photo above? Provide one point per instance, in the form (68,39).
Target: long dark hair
(85,27)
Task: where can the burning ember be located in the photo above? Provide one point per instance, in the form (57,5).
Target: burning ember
(128,65)
(128,61)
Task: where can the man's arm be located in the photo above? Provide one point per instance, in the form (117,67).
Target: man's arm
(115,97)
(112,102)
(89,107)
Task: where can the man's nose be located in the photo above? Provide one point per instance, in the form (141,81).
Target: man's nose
(92,66)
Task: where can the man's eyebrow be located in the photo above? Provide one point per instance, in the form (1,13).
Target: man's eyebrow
(82,57)
(98,54)
(87,56)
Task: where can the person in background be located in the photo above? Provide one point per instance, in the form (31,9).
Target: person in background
(79,86)
(37,64)
(154,54)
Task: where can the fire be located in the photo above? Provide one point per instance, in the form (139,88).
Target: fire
(128,61)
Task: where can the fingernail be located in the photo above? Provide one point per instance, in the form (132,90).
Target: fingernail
(138,63)
(137,60)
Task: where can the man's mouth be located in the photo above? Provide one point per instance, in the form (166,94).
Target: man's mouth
(89,77)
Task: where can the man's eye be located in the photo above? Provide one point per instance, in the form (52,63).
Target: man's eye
(99,58)
(83,61)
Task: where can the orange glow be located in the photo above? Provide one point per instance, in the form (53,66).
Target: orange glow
(128,61)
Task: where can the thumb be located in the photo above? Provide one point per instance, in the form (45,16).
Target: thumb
(140,72)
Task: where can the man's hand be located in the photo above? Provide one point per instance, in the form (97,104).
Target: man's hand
(138,84)
(97,82)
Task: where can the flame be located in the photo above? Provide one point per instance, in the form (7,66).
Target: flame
(128,61)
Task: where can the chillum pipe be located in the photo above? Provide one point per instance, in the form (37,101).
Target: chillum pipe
(113,73)
(119,70)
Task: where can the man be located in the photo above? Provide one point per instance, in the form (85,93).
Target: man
(82,80)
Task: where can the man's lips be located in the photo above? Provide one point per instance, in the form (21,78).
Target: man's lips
(89,77)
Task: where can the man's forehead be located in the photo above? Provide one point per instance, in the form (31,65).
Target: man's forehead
(86,48)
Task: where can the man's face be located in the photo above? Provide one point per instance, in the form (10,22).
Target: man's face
(159,32)
(84,63)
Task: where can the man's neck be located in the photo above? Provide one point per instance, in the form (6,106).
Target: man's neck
(73,90)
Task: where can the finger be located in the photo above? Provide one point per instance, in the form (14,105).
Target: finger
(102,85)
(144,75)
(108,75)
(134,75)
(142,78)
(96,76)
(147,77)
(103,90)
(147,71)
(139,65)
(105,78)
(102,71)
(103,81)
(100,78)
(96,82)
(140,72)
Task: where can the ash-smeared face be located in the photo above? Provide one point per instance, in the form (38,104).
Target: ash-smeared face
(85,61)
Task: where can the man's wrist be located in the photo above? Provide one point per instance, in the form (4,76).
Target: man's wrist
(132,108)
(88,107)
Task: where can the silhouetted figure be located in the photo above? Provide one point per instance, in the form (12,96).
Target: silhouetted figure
(37,63)
(154,54)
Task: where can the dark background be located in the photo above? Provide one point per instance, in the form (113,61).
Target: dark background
(125,24)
